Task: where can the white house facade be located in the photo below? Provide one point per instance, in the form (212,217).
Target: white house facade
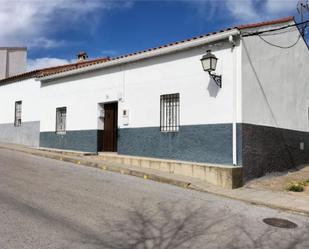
(160,103)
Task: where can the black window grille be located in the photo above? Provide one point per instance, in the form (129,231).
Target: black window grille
(17,121)
(169,112)
(61,114)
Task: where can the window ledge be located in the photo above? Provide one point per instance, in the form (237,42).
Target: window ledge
(60,132)
(169,131)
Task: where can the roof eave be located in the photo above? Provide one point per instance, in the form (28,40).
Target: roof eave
(148,54)
(267,23)
(19,77)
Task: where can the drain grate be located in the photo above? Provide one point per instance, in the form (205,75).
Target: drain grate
(281,223)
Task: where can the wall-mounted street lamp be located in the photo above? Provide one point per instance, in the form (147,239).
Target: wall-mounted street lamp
(209,63)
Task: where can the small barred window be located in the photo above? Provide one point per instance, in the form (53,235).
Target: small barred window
(169,112)
(61,114)
(17,121)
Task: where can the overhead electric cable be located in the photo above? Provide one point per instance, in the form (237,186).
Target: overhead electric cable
(282,30)
(245,34)
(279,32)
(279,46)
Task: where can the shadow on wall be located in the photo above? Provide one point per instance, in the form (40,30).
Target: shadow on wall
(268,149)
(212,88)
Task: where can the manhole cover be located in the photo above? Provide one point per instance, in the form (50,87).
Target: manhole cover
(282,223)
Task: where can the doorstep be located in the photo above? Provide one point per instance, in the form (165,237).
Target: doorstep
(226,176)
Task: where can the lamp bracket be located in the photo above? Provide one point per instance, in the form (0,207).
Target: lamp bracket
(217,79)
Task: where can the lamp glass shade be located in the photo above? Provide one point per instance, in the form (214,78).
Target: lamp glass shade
(209,62)
(206,64)
(213,63)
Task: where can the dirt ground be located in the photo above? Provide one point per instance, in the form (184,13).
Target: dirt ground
(280,181)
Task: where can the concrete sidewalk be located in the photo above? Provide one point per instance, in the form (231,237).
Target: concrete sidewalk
(278,200)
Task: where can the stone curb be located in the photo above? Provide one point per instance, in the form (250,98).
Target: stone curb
(154,177)
(102,166)
(301,211)
(65,152)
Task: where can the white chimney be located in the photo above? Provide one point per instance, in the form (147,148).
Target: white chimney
(82,56)
(13,61)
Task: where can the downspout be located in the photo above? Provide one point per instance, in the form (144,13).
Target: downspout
(234,104)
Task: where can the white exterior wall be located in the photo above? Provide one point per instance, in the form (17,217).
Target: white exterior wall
(17,62)
(13,61)
(3,62)
(28,133)
(278,94)
(27,91)
(140,85)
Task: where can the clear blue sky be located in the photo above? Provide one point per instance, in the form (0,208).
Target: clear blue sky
(56,30)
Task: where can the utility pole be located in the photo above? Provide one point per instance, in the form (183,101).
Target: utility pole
(302,7)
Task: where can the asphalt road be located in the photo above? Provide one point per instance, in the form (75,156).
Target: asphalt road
(52,204)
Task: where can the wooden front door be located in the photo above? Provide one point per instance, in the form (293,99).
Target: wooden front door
(110,127)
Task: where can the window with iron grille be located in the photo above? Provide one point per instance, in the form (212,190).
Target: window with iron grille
(169,112)
(61,114)
(17,121)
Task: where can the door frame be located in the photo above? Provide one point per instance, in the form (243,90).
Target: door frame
(113,139)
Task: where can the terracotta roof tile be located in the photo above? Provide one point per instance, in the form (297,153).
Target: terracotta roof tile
(53,70)
(60,69)
(22,76)
(261,24)
(64,68)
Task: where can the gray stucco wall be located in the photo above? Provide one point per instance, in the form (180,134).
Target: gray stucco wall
(268,149)
(275,82)
(239,144)
(27,134)
(197,143)
(83,140)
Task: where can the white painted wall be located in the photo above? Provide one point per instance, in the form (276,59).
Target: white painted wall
(17,61)
(28,91)
(3,63)
(278,94)
(139,86)
(13,61)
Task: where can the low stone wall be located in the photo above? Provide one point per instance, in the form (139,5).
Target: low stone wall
(220,175)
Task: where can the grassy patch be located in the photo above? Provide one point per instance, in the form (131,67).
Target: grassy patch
(297,186)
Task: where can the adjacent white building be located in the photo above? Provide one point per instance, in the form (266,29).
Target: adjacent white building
(13,61)
(160,103)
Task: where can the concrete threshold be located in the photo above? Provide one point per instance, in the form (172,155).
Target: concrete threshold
(226,176)
(65,152)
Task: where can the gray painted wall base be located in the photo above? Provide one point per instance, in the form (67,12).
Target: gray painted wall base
(197,143)
(26,134)
(260,149)
(268,149)
(85,140)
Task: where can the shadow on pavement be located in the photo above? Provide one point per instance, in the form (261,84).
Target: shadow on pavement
(163,226)
(173,225)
